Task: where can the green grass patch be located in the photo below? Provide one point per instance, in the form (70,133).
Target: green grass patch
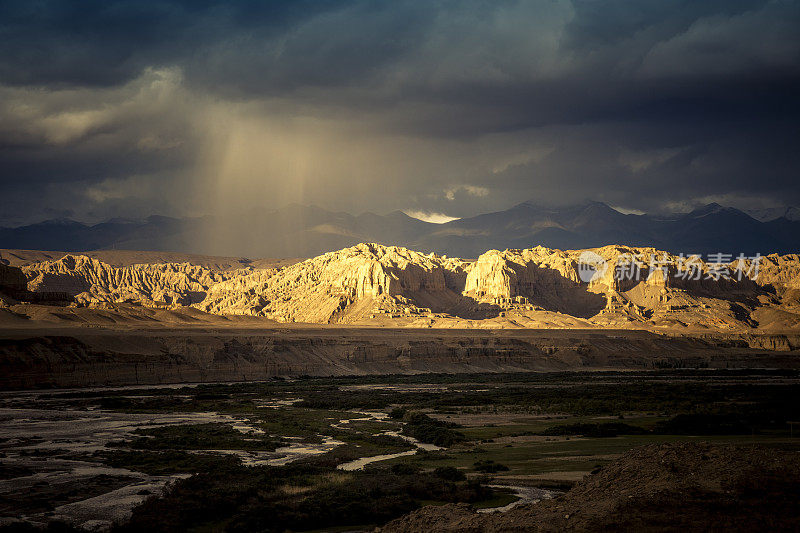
(501,498)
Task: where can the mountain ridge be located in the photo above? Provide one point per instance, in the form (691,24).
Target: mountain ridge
(388,286)
(306,231)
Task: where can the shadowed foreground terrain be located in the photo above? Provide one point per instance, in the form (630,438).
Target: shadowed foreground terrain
(690,487)
(657,449)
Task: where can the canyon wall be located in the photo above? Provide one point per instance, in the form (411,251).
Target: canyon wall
(91,281)
(537,287)
(102,358)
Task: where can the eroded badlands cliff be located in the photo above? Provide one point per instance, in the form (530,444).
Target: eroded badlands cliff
(91,281)
(346,286)
(392,286)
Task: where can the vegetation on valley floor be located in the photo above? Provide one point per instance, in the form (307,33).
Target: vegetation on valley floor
(542,429)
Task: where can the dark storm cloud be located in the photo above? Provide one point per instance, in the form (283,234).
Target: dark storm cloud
(110,42)
(447,107)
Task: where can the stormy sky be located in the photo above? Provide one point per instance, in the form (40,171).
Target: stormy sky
(444,108)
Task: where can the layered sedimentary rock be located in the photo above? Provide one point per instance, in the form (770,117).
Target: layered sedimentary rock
(12,284)
(91,281)
(110,357)
(543,271)
(782,272)
(14,289)
(345,285)
(385,285)
(630,285)
(547,279)
(12,279)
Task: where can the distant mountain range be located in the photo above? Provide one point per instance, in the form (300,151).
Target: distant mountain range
(305,231)
(772,213)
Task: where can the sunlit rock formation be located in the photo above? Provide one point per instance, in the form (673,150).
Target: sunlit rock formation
(91,281)
(388,285)
(346,285)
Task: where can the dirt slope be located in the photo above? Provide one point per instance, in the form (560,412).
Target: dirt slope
(672,487)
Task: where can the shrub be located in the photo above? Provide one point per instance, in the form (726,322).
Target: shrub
(426,429)
(449,473)
(397,413)
(404,469)
(489,467)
